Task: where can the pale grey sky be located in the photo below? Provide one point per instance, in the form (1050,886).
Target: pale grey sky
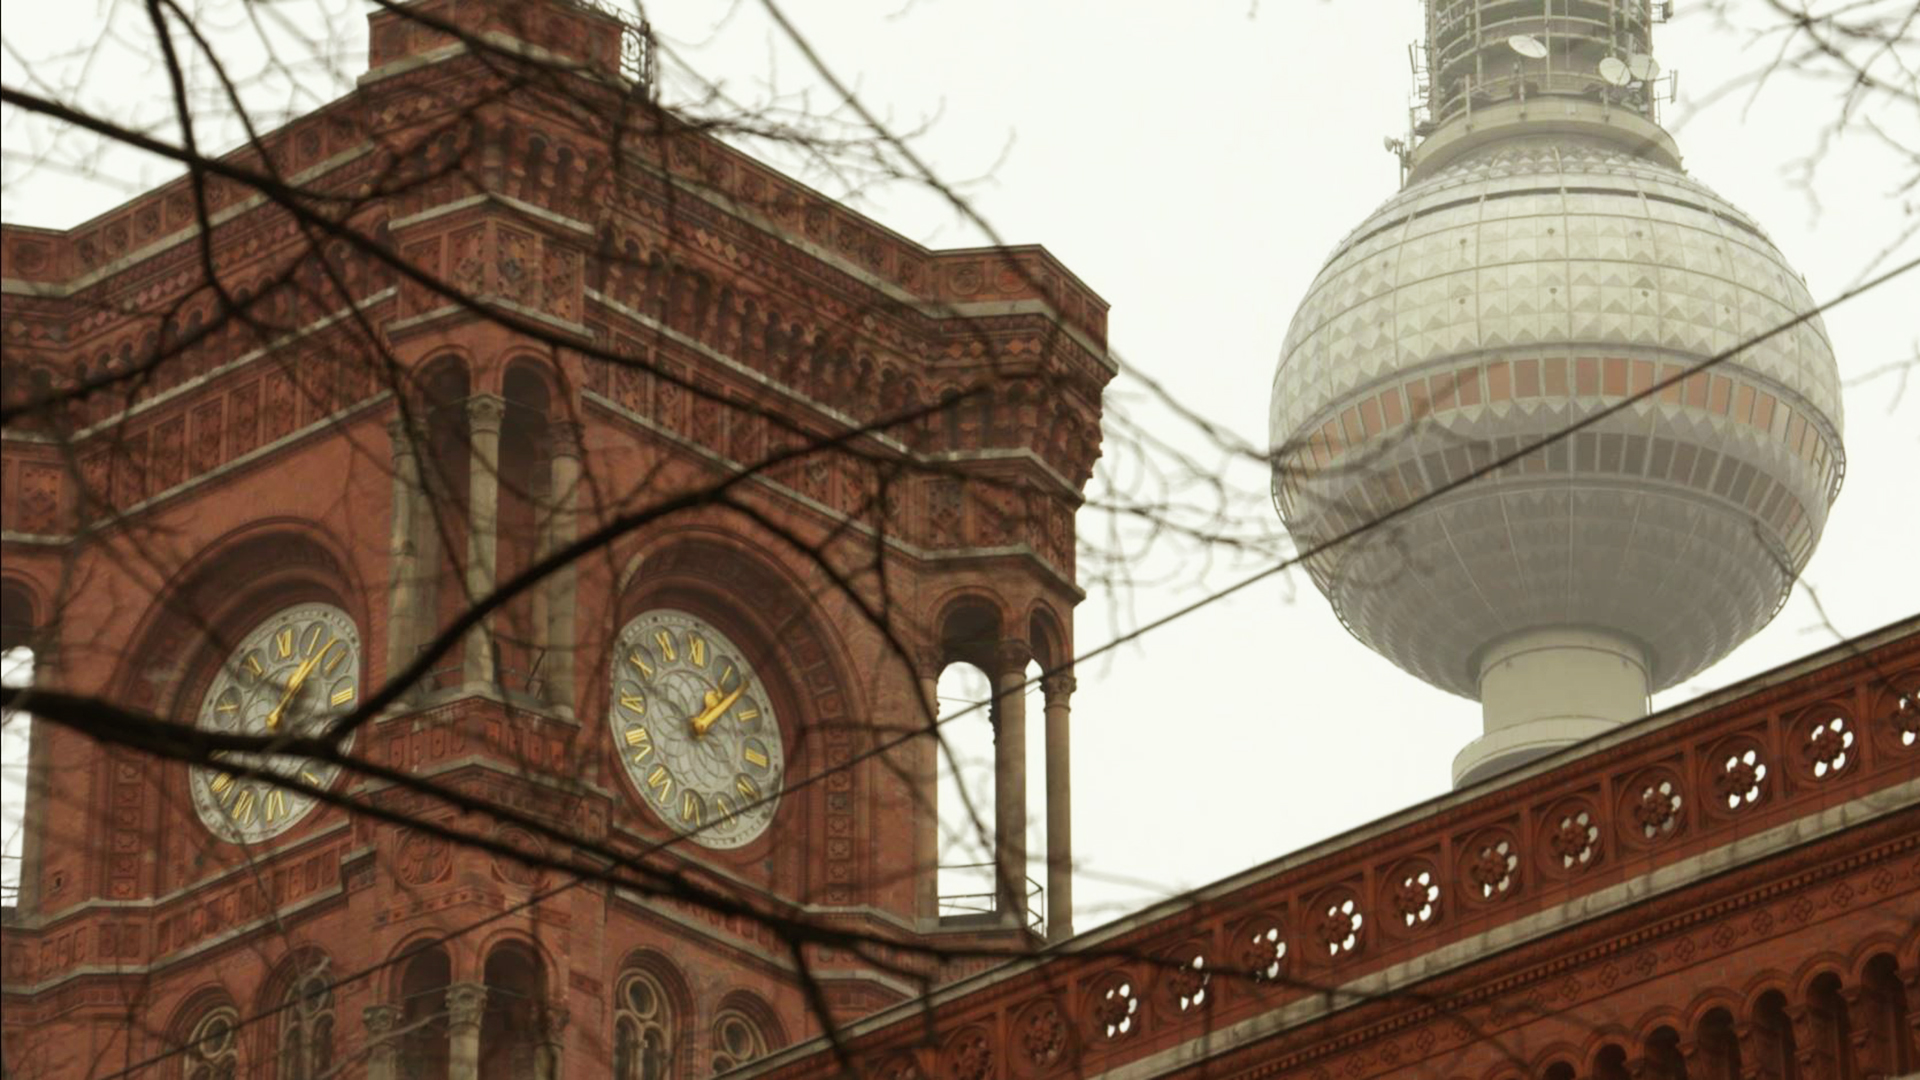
(1195,163)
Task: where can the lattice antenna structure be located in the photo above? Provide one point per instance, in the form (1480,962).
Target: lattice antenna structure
(1545,259)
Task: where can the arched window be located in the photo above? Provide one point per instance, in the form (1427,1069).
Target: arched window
(1775,1052)
(509,1030)
(423,1018)
(524,511)
(445,471)
(642,1029)
(213,1049)
(306,1030)
(16,670)
(737,1039)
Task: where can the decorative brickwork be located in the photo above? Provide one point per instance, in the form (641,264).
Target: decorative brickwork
(683,315)
(1557,951)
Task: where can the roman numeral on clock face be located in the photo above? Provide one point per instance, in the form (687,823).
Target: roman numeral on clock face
(683,704)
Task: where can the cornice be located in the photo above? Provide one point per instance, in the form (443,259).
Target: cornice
(65,289)
(816,253)
(1021,551)
(820,409)
(199,382)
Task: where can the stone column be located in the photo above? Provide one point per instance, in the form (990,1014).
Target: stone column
(1010,782)
(1059,691)
(1807,1039)
(551,1051)
(1910,978)
(563,527)
(923,714)
(383,1054)
(33,819)
(404,594)
(485,414)
(1759,1050)
(1866,1037)
(466,1006)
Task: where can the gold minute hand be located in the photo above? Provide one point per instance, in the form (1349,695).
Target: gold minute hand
(716,705)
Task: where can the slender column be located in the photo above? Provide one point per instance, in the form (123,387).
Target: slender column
(548,1056)
(404,599)
(1807,1040)
(1866,1035)
(1059,690)
(437,508)
(562,588)
(1910,978)
(484,416)
(926,794)
(383,1053)
(33,820)
(1759,1050)
(1010,782)
(466,1005)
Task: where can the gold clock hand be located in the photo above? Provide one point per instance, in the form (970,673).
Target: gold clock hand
(293,687)
(716,705)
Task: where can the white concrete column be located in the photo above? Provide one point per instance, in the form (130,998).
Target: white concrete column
(485,414)
(1541,690)
(562,588)
(1059,692)
(466,1007)
(1010,782)
(383,1053)
(405,570)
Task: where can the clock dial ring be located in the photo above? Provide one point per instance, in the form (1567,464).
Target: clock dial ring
(292,673)
(695,729)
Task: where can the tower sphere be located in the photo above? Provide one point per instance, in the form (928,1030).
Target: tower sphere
(1527,277)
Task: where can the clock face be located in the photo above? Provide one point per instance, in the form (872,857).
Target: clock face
(695,728)
(292,674)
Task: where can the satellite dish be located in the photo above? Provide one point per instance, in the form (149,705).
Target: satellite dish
(1614,70)
(1527,45)
(1643,67)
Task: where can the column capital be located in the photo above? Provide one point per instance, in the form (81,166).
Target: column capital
(1059,688)
(552,1021)
(404,435)
(563,439)
(1011,657)
(929,661)
(380,1019)
(485,412)
(466,1002)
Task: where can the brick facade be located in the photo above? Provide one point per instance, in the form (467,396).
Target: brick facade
(1622,909)
(531,323)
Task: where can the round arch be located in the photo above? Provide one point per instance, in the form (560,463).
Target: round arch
(281,560)
(744,1029)
(1045,636)
(718,567)
(22,611)
(970,626)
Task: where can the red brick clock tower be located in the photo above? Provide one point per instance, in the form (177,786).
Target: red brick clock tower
(548,309)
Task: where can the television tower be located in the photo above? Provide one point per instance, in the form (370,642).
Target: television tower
(1546,259)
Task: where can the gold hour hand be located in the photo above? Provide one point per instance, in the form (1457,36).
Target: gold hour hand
(293,687)
(717,704)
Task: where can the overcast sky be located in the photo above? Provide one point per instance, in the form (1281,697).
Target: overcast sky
(1195,163)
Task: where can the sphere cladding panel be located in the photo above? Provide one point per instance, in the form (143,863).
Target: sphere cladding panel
(1688,516)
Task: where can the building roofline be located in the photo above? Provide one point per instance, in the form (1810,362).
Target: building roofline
(1907,627)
